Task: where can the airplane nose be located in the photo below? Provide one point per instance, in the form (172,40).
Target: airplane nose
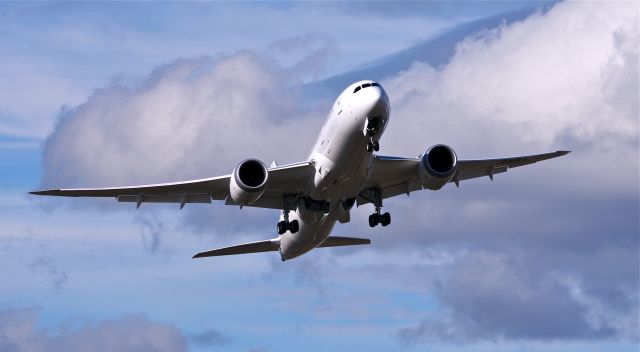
(376,102)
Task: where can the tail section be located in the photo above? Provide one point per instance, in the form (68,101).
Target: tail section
(273,245)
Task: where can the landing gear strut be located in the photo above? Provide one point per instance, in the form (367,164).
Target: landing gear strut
(377,217)
(290,201)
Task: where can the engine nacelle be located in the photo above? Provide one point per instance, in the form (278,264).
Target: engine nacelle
(437,166)
(248,181)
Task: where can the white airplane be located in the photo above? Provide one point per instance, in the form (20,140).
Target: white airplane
(341,171)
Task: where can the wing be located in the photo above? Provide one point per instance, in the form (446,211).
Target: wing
(292,178)
(395,175)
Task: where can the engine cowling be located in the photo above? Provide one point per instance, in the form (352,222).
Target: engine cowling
(437,166)
(248,181)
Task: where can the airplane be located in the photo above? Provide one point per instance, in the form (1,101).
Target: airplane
(341,171)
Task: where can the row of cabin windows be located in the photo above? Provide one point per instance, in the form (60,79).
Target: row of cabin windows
(366,85)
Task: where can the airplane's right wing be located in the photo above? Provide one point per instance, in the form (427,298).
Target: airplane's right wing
(396,175)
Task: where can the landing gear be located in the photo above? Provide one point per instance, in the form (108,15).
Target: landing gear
(284,226)
(377,217)
(372,128)
(290,201)
(372,145)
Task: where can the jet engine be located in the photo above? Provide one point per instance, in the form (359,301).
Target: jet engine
(437,166)
(248,181)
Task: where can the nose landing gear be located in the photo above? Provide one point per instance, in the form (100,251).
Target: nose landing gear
(372,145)
(372,128)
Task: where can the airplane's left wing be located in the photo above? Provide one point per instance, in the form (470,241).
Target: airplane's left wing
(396,175)
(292,178)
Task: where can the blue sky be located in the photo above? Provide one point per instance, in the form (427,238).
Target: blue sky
(94,94)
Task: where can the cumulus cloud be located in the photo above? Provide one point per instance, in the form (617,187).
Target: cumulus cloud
(549,253)
(20,332)
(564,79)
(190,118)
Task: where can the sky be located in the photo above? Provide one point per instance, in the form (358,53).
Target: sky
(546,257)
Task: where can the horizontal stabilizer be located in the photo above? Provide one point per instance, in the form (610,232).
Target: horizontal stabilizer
(338,241)
(253,247)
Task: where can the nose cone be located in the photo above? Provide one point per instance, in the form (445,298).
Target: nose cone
(376,102)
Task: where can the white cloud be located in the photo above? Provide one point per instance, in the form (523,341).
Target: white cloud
(562,79)
(568,73)
(191,118)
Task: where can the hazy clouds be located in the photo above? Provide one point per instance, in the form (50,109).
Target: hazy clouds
(20,332)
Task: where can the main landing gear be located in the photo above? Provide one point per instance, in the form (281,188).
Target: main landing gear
(284,226)
(377,217)
(290,201)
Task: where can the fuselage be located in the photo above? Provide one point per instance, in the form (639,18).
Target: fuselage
(342,164)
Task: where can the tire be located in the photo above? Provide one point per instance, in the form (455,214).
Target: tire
(376,146)
(369,147)
(385,219)
(281,228)
(373,220)
(294,226)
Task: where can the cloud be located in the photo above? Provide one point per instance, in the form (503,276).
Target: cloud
(310,52)
(210,338)
(546,245)
(545,254)
(190,118)
(20,331)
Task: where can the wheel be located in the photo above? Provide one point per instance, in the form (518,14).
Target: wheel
(294,226)
(373,220)
(282,227)
(385,219)
(369,147)
(376,146)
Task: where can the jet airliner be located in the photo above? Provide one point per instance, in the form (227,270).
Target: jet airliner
(341,171)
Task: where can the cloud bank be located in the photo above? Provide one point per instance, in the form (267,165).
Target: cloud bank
(565,79)
(546,254)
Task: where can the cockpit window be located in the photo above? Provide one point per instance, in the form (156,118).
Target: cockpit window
(366,85)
